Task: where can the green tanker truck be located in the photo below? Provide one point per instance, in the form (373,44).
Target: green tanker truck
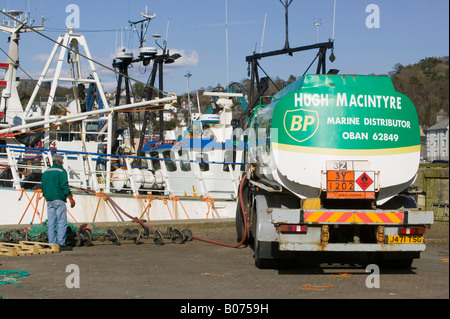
(328,161)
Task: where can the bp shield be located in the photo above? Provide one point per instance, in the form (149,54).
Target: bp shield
(301,124)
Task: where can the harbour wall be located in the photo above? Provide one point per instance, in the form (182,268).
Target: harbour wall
(432,189)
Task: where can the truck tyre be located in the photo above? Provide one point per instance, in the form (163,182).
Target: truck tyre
(265,244)
(240,229)
(400,260)
(397,264)
(395,260)
(239,216)
(262,248)
(400,201)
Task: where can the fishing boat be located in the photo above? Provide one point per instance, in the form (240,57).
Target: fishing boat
(194,177)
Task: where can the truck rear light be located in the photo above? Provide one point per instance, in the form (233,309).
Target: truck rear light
(412,230)
(293,229)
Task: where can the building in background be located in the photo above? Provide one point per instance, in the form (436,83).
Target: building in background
(437,139)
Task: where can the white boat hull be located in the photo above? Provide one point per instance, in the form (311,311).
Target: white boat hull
(29,207)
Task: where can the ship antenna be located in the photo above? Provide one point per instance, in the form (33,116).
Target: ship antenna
(317,22)
(226,39)
(334,19)
(264,30)
(332,57)
(167,30)
(286,7)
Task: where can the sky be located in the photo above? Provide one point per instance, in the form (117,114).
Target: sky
(408,31)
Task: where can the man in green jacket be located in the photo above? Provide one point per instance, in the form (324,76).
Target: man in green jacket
(55,188)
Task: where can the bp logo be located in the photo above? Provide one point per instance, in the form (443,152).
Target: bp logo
(301,124)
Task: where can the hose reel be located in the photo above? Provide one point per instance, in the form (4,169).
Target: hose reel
(175,235)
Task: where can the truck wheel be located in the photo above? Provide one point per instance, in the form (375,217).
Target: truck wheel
(400,201)
(240,223)
(240,218)
(397,264)
(392,260)
(260,262)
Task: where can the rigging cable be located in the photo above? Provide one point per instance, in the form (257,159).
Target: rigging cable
(80,54)
(268,77)
(317,55)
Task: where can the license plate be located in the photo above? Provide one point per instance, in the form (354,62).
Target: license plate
(405,239)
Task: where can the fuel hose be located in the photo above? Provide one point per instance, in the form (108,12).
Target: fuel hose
(193,237)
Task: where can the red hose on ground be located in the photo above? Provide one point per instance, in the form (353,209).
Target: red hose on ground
(244,218)
(117,206)
(193,237)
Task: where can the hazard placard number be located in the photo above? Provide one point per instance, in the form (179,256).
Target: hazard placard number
(340,181)
(341,186)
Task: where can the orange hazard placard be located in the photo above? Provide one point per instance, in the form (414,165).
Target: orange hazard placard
(341,176)
(350,184)
(353,195)
(340,181)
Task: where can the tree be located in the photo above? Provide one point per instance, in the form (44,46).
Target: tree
(291,79)
(426,83)
(138,89)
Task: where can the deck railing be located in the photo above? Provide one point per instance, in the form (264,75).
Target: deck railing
(90,171)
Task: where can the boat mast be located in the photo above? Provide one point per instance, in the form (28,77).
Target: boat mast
(146,55)
(10,101)
(226,40)
(286,5)
(262,84)
(68,44)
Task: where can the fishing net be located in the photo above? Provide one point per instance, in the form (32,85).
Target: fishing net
(11,276)
(39,233)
